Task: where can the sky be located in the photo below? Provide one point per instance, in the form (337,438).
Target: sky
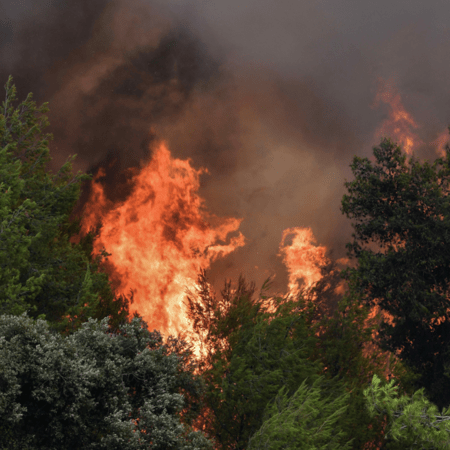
(274,98)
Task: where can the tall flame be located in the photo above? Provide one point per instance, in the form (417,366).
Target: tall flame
(161,235)
(302,258)
(399,122)
(159,238)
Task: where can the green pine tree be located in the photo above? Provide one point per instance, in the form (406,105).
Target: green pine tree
(413,421)
(251,354)
(304,421)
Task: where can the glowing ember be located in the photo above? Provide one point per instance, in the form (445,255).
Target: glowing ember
(158,238)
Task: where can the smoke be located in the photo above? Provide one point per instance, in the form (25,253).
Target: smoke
(273,98)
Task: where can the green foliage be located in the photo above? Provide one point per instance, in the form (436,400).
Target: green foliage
(304,421)
(412,420)
(92,389)
(40,270)
(406,211)
(67,383)
(254,348)
(343,337)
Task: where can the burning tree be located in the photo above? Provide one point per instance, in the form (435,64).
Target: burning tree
(253,347)
(254,352)
(405,210)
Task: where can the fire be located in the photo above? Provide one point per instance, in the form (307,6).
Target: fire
(398,127)
(302,258)
(398,124)
(159,237)
(440,143)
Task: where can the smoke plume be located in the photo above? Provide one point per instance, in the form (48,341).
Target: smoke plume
(273,98)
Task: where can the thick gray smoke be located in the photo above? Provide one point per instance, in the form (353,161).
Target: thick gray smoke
(273,97)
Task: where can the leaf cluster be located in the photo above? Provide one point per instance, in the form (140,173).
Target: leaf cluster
(92,389)
(41,271)
(413,421)
(303,421)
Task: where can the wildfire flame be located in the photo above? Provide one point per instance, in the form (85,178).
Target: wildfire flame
(398,124)
(440,143)
(159,237)
(302,258)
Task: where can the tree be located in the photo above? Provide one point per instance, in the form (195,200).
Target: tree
(343,339)
(413,420)
(92,389)
(304,421)
(40,270)
(405,210)
(254,347)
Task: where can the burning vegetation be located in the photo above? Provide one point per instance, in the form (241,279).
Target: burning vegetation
(204,169)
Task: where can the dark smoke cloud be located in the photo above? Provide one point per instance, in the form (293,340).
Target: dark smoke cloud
(274,98)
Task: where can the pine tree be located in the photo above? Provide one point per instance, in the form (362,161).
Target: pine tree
(304,421)
(413,420)
(253,347)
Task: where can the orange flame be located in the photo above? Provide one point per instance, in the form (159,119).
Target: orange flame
(398,124)
(302,258)
(440,143)
(158,238)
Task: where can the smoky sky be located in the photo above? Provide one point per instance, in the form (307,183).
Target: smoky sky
(274,98)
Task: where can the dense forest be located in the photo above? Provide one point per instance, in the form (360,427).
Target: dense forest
(78,372)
